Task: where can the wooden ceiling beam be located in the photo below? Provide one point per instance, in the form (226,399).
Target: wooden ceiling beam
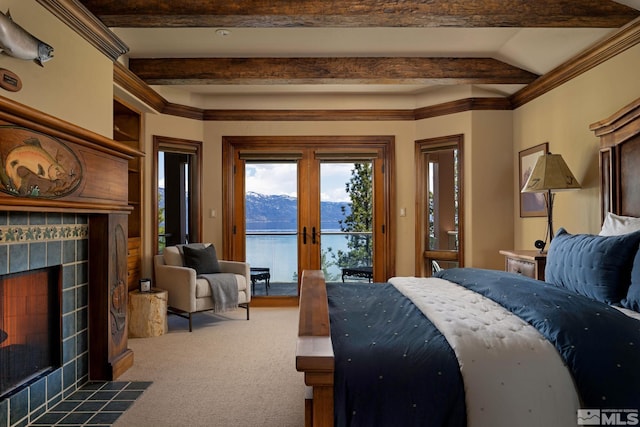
(342,70)
(362,13)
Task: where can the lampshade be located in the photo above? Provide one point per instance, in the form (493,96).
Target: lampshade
(550,173)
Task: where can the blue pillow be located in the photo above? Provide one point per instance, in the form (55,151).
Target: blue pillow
(598,267)
(632,301)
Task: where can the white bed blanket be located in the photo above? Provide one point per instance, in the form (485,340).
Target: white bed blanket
(512,374)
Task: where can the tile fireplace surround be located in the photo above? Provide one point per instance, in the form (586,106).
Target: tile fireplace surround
(31,240)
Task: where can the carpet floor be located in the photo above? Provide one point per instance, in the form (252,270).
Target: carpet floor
(228,372)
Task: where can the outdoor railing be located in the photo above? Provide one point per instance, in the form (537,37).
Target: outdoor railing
(277,250)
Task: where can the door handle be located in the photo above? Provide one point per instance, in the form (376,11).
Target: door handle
(313,235)
(304,235)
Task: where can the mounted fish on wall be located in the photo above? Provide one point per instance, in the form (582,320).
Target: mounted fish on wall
(17,42)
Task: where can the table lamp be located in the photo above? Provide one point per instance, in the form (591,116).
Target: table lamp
(550,174)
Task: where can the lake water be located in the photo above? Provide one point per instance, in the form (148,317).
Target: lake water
(279,253)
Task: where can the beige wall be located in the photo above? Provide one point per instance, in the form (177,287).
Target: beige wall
(76,85)
(562,118)
(490,208)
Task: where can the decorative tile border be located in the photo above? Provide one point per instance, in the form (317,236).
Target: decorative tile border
(42,233)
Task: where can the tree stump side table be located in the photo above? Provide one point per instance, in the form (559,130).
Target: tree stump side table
(147,313)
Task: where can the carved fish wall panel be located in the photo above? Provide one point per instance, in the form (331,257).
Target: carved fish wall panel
(33,164)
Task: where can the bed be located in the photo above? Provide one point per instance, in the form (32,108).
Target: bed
(473,347)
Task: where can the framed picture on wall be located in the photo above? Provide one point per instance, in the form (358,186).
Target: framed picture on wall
(531,204)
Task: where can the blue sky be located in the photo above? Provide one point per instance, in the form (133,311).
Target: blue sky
(280,179)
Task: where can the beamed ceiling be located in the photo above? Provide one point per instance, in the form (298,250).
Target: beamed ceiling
(203,50)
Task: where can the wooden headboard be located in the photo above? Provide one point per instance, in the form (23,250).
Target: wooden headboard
(620,161)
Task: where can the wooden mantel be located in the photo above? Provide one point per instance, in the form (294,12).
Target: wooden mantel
(99,164)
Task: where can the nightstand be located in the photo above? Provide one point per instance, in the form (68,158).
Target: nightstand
(530,263)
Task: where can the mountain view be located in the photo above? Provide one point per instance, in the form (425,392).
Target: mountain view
(278,212)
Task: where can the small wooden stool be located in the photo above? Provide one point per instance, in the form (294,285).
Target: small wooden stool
(147,313)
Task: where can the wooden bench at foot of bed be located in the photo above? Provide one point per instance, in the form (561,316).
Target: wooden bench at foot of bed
(314,350)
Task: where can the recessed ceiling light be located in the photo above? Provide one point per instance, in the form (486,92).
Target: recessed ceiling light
(223,32)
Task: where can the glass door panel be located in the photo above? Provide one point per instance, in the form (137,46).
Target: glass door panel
(442,219)
(176,206)
(173,184)
(346,220)
(271,212)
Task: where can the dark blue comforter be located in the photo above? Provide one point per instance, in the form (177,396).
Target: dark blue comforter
(392,365)
(599,344)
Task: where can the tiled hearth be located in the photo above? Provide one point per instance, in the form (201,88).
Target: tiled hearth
(95,404)
(35,240)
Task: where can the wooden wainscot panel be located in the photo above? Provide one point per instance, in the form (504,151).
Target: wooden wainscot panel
(109,356)
(106,178)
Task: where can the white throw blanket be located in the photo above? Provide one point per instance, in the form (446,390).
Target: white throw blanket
(512,374)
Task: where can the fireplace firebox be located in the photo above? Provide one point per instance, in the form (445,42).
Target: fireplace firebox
(30,331)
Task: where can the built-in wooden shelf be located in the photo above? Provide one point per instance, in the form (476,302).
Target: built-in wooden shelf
(127,129)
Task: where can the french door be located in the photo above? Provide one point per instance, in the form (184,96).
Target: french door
(306,227)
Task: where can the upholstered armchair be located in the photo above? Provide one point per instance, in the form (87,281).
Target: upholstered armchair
(190,293)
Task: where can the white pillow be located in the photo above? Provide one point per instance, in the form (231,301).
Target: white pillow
(615,225)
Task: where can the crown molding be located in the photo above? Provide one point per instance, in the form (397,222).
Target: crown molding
(626,37)
(131,83)
(124,78)
(138,88)
(308,115)
(83,22)
(461,105)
